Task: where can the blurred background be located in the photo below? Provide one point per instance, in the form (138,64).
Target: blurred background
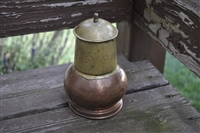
(31,51)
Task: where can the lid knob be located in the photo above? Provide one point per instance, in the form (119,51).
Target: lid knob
(96,19)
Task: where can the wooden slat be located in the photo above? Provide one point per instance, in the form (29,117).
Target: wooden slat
(157,110)
(40,90)
(123,38)
(175,25)
(157,56)
(140,44)
(22,17)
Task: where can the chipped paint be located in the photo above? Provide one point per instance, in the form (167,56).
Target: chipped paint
(63,23)
(49,19)
(171,29)
(189,51)
(185,5)
(148,2)
(69,4)
(189,41)
(29,22)
(154,27)
(163,35)
(195,47)
(171,47)
(150,15)
(169,20)
(11,14)
(163,38)
(76,14)
(158,1)
(189,62)
(183,17)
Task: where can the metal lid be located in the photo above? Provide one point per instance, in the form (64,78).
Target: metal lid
(95,30)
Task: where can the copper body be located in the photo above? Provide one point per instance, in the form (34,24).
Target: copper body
(95,83)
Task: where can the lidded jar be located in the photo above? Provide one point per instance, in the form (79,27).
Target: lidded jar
(95,83)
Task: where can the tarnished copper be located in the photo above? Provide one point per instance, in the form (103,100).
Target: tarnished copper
(95,83)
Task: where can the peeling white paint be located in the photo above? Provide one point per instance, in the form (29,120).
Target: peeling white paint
(184,4)
(147,14)
(182,16)
(192,54)
(92,2)
(11,14)
(158,1)
(69,4)
(150,15)
(69,22)
(167,26)
(195,47)
(169,20)
(49,19)
(148,2)
(154,27)
(28,22)
(171,47)
(189,41)
(189,62)
(185,17)
(3,6)
(76,14)
(4,13)
(163,35)
(63,4)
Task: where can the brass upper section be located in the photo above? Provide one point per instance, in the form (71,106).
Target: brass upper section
(95,51)
(95,30)
(95,58)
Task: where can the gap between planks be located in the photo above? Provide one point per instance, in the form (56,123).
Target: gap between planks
(45,97)
(160,109)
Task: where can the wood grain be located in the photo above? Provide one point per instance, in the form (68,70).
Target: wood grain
(157,110)
(175,25)
(157,56)
(41,90)
(20,17)
(123,38)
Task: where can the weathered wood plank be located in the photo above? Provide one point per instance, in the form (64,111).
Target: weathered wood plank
(157,56)
(175,24)
(22,17)
(44,90)
(143,47)
(140,44)
(157,110)
(31,81)
(123,38)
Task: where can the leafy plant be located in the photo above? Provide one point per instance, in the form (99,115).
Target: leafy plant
(186,82)
(36,50)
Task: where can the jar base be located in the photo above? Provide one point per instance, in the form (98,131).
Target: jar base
(97,113)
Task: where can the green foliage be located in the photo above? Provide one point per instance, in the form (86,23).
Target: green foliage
(185,81)
(36,50)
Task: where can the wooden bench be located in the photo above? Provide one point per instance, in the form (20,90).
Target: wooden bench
(35,100)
